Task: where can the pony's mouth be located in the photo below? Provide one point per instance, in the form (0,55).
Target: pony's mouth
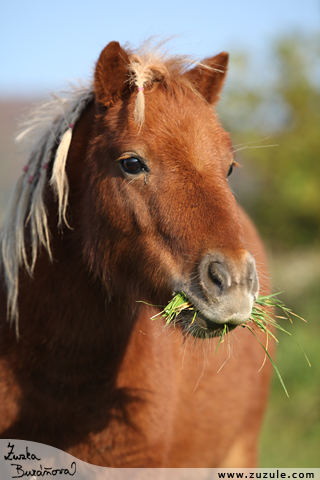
(203,319)
(201,327)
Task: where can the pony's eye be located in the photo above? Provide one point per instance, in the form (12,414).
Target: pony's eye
(132,165)
(230,170)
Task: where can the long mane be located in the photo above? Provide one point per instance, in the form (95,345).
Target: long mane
(43,135)
(47,133)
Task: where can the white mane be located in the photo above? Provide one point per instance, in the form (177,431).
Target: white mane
(47,130)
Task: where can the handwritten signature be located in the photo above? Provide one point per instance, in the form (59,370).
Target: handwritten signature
(40,471)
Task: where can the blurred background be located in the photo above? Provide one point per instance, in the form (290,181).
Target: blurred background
(271,106)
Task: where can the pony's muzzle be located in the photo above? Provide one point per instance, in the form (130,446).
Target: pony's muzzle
(228,287)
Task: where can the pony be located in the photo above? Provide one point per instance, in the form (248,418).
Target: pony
(123,202)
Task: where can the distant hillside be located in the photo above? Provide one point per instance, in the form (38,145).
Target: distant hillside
(11,160)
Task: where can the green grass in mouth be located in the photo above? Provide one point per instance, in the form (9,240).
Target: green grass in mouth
(262,317)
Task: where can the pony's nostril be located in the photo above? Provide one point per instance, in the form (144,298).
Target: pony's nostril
(215,277)
(253,281)
(218,276)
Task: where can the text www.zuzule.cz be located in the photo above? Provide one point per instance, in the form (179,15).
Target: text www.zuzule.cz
(278,474)
(40,470)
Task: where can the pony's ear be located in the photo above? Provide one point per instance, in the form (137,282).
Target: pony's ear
(209,81)
(111,74)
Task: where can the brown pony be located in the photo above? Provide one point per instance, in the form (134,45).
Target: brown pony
(125,198)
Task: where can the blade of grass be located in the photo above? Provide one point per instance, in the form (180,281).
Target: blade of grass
(273,364)
(221,337)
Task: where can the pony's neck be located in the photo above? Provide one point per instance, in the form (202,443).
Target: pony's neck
(74,344)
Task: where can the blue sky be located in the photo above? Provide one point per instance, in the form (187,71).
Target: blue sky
(43,44)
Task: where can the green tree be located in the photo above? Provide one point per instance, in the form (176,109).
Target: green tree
(282,102)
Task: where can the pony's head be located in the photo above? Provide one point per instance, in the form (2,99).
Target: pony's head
(150,203)
(162,216)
